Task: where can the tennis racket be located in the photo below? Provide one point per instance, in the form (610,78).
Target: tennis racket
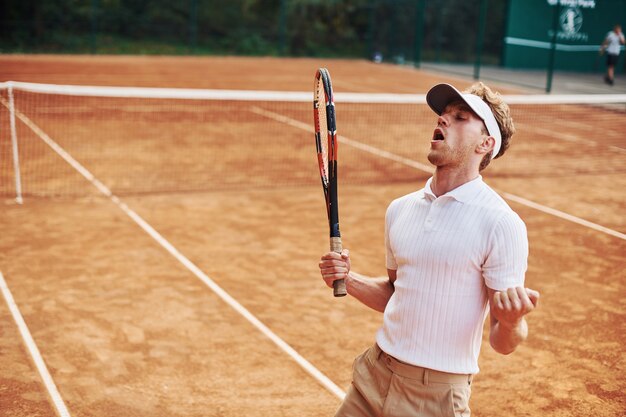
(326,144)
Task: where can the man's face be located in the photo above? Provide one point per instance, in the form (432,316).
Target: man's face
(458,133)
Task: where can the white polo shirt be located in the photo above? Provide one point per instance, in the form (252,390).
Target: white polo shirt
(446,252)
(613,40)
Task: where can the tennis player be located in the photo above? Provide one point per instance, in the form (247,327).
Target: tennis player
(455,251)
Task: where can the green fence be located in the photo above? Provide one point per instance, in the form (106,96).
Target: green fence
(541,34)
(398,30)
(567,32)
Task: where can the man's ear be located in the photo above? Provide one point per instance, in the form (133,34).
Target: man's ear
(486,145)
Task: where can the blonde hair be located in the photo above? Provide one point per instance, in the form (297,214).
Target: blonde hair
(501,112)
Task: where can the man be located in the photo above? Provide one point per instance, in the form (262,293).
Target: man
(611,45)
(453,249)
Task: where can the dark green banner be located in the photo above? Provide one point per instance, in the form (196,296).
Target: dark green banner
(573,29)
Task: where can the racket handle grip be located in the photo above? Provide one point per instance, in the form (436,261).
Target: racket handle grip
(339,286)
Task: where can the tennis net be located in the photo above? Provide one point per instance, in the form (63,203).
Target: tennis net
(153,140)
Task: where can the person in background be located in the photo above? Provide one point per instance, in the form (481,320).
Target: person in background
(611,46)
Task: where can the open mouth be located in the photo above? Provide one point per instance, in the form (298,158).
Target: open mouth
(438,134)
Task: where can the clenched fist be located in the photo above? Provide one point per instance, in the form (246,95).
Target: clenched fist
(510,306)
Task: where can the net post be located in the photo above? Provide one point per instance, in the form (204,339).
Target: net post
(193,25)
(419,32)
(94,26)
(371,21)
(552,55)
(16,159)
(282,28)
(479,39)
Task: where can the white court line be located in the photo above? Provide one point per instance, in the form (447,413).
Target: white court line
(33,350)
(568,137)
(414,164)
(564,215)
(355,144)
(284,346)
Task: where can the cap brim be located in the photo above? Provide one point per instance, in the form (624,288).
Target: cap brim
(441,95)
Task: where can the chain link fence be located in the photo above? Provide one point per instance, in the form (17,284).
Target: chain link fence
(461,36)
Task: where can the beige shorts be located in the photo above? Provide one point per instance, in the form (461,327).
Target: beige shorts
(383,386)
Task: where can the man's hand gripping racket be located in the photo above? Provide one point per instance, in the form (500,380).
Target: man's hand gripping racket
(326,144)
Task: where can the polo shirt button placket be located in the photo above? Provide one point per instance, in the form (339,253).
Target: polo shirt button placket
(429,224)
(429,218)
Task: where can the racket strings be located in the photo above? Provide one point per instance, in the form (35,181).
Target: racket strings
(322,130)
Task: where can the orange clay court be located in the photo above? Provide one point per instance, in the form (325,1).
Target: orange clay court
(127,328)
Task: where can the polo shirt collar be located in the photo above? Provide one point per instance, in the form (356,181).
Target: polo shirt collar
(462,193)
